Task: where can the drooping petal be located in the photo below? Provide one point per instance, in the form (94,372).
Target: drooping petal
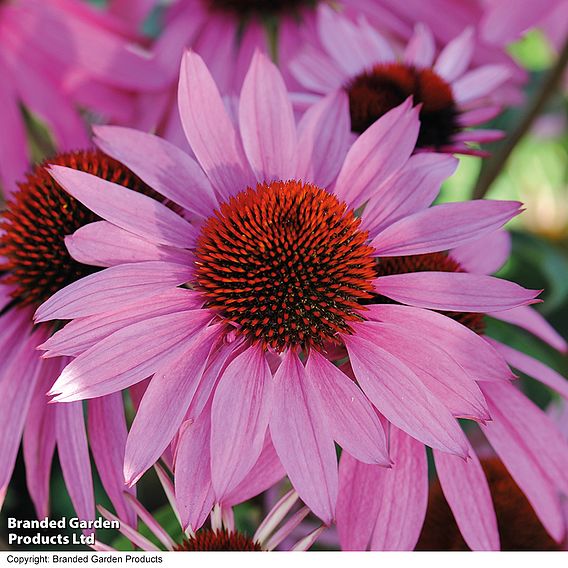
(126,208)
(403,491)
(454,59)
(443,227)
(421,48)
(268,128)
(127,356)
(162,165)
(107,437)
(74,458)
(323,139)
(466,489)
(480,82)
(164,405)
(303,439)
(378,153)
(353,421)
(209,129)
(470,350)
(240,413)
(112,289)
(485,255)
(455,292)
(402,397)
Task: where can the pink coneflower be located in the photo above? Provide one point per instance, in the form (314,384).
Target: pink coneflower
(35,264)
(273,278)
(527,442)
(220,534)
(54,56)
(453,96)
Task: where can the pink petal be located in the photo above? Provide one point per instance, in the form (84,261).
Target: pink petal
(413,188)
(162,165)
(353,421)
(471,351)
(164,405)
(74,458)
(485,255)
(533,368)
(378,153)
(531,448)
(104,244)
(268,128)
(466,489)
(194,492)
(421,48)
(240,413)
(107,437)
(480,82)
(127,356)
(402,398)
(445,379)
(209,129)
(152,220)
(112,289)
(455,292)
(324,136)
(316,71)
(531,320)
(454,59)
(303,440)
(358,502)
(443,227)
(80,334)
(403,491)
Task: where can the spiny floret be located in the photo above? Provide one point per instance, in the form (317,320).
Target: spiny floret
(286,263)
(207,540)
(39,217)
(383,87)
(433,262)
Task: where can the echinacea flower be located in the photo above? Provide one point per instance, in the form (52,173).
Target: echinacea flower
(57,55)
(244,299)
(453,96)
(221,534)
(527,442)
(35,264)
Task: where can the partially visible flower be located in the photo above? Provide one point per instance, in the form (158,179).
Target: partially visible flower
(527,442)
(221,534)
(247,304)
(55,56)
(453,96)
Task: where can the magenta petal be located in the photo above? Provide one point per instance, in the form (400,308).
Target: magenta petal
(128,209)
(377,154)
(532,449)
(74,457)
(127,356)
(164,405)
(194,492)
(107,437)
(323,139)
(480,82)
(358,502)
(402,397)
(268,128)
(443,227)
(353,421)
(455,58)
(403,491)
(445,379)
(471,351)
(413,188)
(485,255)
(466,489)
(162,165)
(240,413)
(421,48)
(209,129)
(113,289)
(455,292)
(303,439)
